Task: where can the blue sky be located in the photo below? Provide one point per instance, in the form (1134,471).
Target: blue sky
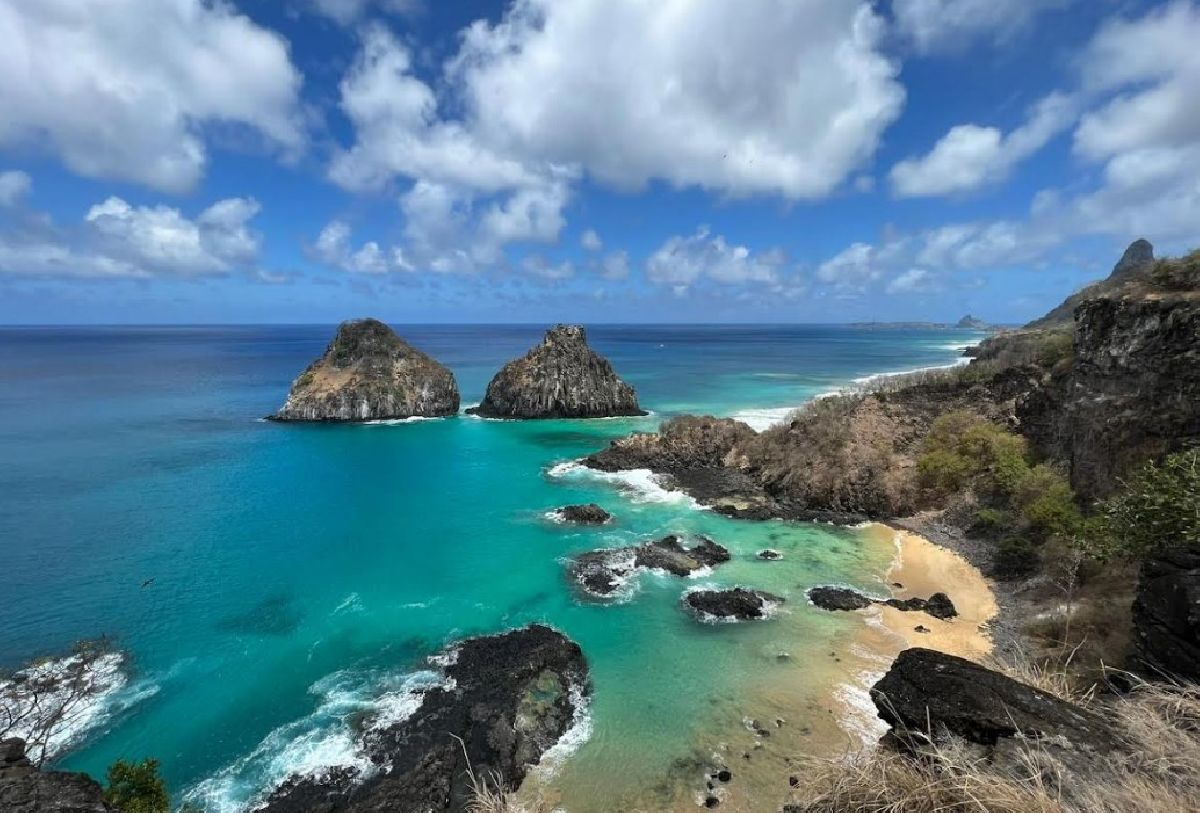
(592,160)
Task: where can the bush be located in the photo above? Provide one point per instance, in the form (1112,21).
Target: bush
(964,449)
(1047,502)
(1160,509)
(1182,274)
(990,522)
(1017,557)
(136,787)
(944,472)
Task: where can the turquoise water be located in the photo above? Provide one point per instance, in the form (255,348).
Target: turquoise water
(303,574)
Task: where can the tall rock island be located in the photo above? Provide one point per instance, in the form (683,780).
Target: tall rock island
(560,378)
(369,373)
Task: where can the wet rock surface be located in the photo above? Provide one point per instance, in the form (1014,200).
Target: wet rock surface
(507,700)
(560,378)
(24,788)
(589,514)
(369,373)
(603,572)
(735,604)
(938,605)
(1166,615)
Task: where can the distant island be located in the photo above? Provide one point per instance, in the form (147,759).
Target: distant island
(968,322)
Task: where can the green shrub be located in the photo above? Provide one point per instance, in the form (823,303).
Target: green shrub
(136,787)
(1182,274)
(964,449)
(1159,509)
(1017,557)
(944,472)
(991,522)
(1047,502)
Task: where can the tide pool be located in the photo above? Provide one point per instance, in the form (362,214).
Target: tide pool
(304,574)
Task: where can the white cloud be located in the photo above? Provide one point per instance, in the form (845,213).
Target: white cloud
(347,12)
(14,185)
(117,239)
(538,266)
(615,265)
(772,97)
(683,261)
(333,248)
(952,25)
(122,89)
(914,279)
(969,156)
(591,241)
(854,268)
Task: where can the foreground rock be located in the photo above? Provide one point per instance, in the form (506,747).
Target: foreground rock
(589,514)
(603,572)
(1166,615)
(26,789)
(938,605)
(736,604)
(508,699)
(560,378)
(369,373)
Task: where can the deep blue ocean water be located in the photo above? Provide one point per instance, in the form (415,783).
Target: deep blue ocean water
(302,574)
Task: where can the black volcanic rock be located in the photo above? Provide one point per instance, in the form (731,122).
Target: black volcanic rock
(560,378)
(602,572)
(1166,615)
(26,789)
(737,603)
(589,514)
(1137,261)
(833,599)
(509,698)
(369,373)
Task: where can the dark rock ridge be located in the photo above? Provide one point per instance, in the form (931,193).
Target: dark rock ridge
(970,322)
(735,604)
(508,699)
(369,373)
(1135,263)
(1166,615)
(560,378)
(26,789)
(589,514)
(768,555)
(938,605)
(1132,393)
(603,572)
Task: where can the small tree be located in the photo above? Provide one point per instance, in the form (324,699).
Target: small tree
(1160,509)
(136,787)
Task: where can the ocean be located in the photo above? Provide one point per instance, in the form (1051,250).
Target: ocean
(297,577)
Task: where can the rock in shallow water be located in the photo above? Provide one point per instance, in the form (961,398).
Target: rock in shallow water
(589,514)
(560,378)
(736,604)
(938,605)
(508,699)
(602,572)
(369,373)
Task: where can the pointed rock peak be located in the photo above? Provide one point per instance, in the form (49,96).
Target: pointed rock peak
(566,334)
(360,339)
(1139,254)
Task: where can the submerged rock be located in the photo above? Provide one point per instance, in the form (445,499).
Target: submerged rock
(769,555)
(369,373)
(508,699)
(833,599)
(589,514)
(603,572)
(738,603)
(24,788)
(560,378)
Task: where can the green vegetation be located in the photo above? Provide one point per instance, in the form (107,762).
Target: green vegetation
(1180,274)
(1159,509)
(136,787)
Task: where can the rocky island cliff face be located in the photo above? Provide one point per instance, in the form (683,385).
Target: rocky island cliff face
(369,373)
(560,378)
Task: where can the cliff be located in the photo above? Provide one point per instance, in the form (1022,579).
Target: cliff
(24,788)
(560,378)
(369,373)
(1134,264)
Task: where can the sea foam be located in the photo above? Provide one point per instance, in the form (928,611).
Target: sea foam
(640,485)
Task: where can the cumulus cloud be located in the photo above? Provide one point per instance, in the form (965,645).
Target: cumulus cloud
(615,265)
(684,261)
(539,266)
(914,279)
(591,241)
(117,239)
(970,157)
(933,26)
(333,248)
(348,12)
(14,185)
(122,89)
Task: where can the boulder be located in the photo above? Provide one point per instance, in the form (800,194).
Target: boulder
(507,700)
(369,373)
(735,604)
(839,598)
(769,555)
(24,788)
(1166,615)
(589,514)
(560,378)
(938,605)
(602,572)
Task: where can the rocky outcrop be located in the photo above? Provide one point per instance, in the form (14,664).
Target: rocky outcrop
(735,604)
(970,322)
(508,698)
(1132,393)
(1166,615)
(1134,265)
(26,789)
(589,514)
(560,378)
(602,573)
(938,605)
(369,373)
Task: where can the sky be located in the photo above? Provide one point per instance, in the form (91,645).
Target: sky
(308,161)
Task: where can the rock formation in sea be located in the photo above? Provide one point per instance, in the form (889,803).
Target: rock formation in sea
(970,322)
(369,373)
(588,514)
(560,378)
(1166,615)
(507,700)
(734,604)
(602,573)
(938,605)
(24,788)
